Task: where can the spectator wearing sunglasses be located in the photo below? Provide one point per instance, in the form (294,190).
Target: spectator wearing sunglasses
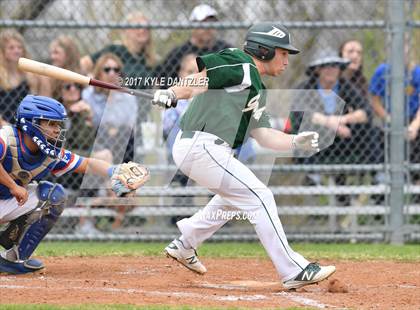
(135,51)
(114,117)
(80,136)
(113,113)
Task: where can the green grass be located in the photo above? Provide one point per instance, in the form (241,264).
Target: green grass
(314,251)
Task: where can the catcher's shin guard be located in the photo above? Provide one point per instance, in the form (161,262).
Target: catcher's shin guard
(37,231)
(51,197)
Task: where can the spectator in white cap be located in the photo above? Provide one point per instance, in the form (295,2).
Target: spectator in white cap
(202,41)
(203,12)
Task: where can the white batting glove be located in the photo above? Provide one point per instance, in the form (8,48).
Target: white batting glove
(306,141)
(165,98)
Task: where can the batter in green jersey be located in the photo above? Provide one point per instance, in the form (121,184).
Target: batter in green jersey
(235,103)
(223,113)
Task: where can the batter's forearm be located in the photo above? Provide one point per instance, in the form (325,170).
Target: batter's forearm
(273,139)
(281,142)
(191,86)
(182,92)
(187,92)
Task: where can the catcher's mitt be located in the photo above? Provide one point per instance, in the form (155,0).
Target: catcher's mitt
(128,177)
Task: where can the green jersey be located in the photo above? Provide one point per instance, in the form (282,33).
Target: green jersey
(235,101)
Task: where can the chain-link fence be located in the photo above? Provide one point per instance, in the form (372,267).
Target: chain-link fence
(345,192)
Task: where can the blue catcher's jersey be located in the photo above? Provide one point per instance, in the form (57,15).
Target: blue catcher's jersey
(24,167)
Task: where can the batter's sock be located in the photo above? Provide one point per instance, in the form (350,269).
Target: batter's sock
(185,243)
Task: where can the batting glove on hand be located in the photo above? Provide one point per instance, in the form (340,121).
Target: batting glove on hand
(165,98)
(306,141)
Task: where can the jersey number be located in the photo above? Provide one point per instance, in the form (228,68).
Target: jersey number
(253,105)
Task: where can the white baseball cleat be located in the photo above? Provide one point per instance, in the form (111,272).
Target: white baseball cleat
(187,257)
(313,273)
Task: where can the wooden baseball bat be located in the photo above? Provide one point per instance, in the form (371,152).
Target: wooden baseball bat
(37,67)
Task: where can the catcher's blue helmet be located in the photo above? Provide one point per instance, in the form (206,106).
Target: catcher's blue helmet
(31,111)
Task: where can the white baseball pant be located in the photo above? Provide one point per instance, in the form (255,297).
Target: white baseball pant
(211,164)
(10,210)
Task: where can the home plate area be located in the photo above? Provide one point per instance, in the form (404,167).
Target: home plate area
(229,282)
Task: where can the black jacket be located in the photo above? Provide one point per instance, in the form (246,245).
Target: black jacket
(171,65)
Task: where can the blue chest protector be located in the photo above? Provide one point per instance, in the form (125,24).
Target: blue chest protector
(23,168)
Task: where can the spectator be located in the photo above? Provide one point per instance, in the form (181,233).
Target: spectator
(14,84)
(79,134)
(413,92)
(79,138)
(202,41)
(114,116)
(353,50)
(113,113)
(136,52)
(348,147)
(379,90)
(64,53)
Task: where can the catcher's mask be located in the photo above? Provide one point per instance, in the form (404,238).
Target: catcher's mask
(34,109)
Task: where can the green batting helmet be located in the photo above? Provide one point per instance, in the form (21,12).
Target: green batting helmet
(263,38)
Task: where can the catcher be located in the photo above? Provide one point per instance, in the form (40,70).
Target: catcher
(28,152)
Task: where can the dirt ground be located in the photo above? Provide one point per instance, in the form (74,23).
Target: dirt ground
(229,282)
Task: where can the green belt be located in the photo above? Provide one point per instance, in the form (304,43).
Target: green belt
(189,134)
